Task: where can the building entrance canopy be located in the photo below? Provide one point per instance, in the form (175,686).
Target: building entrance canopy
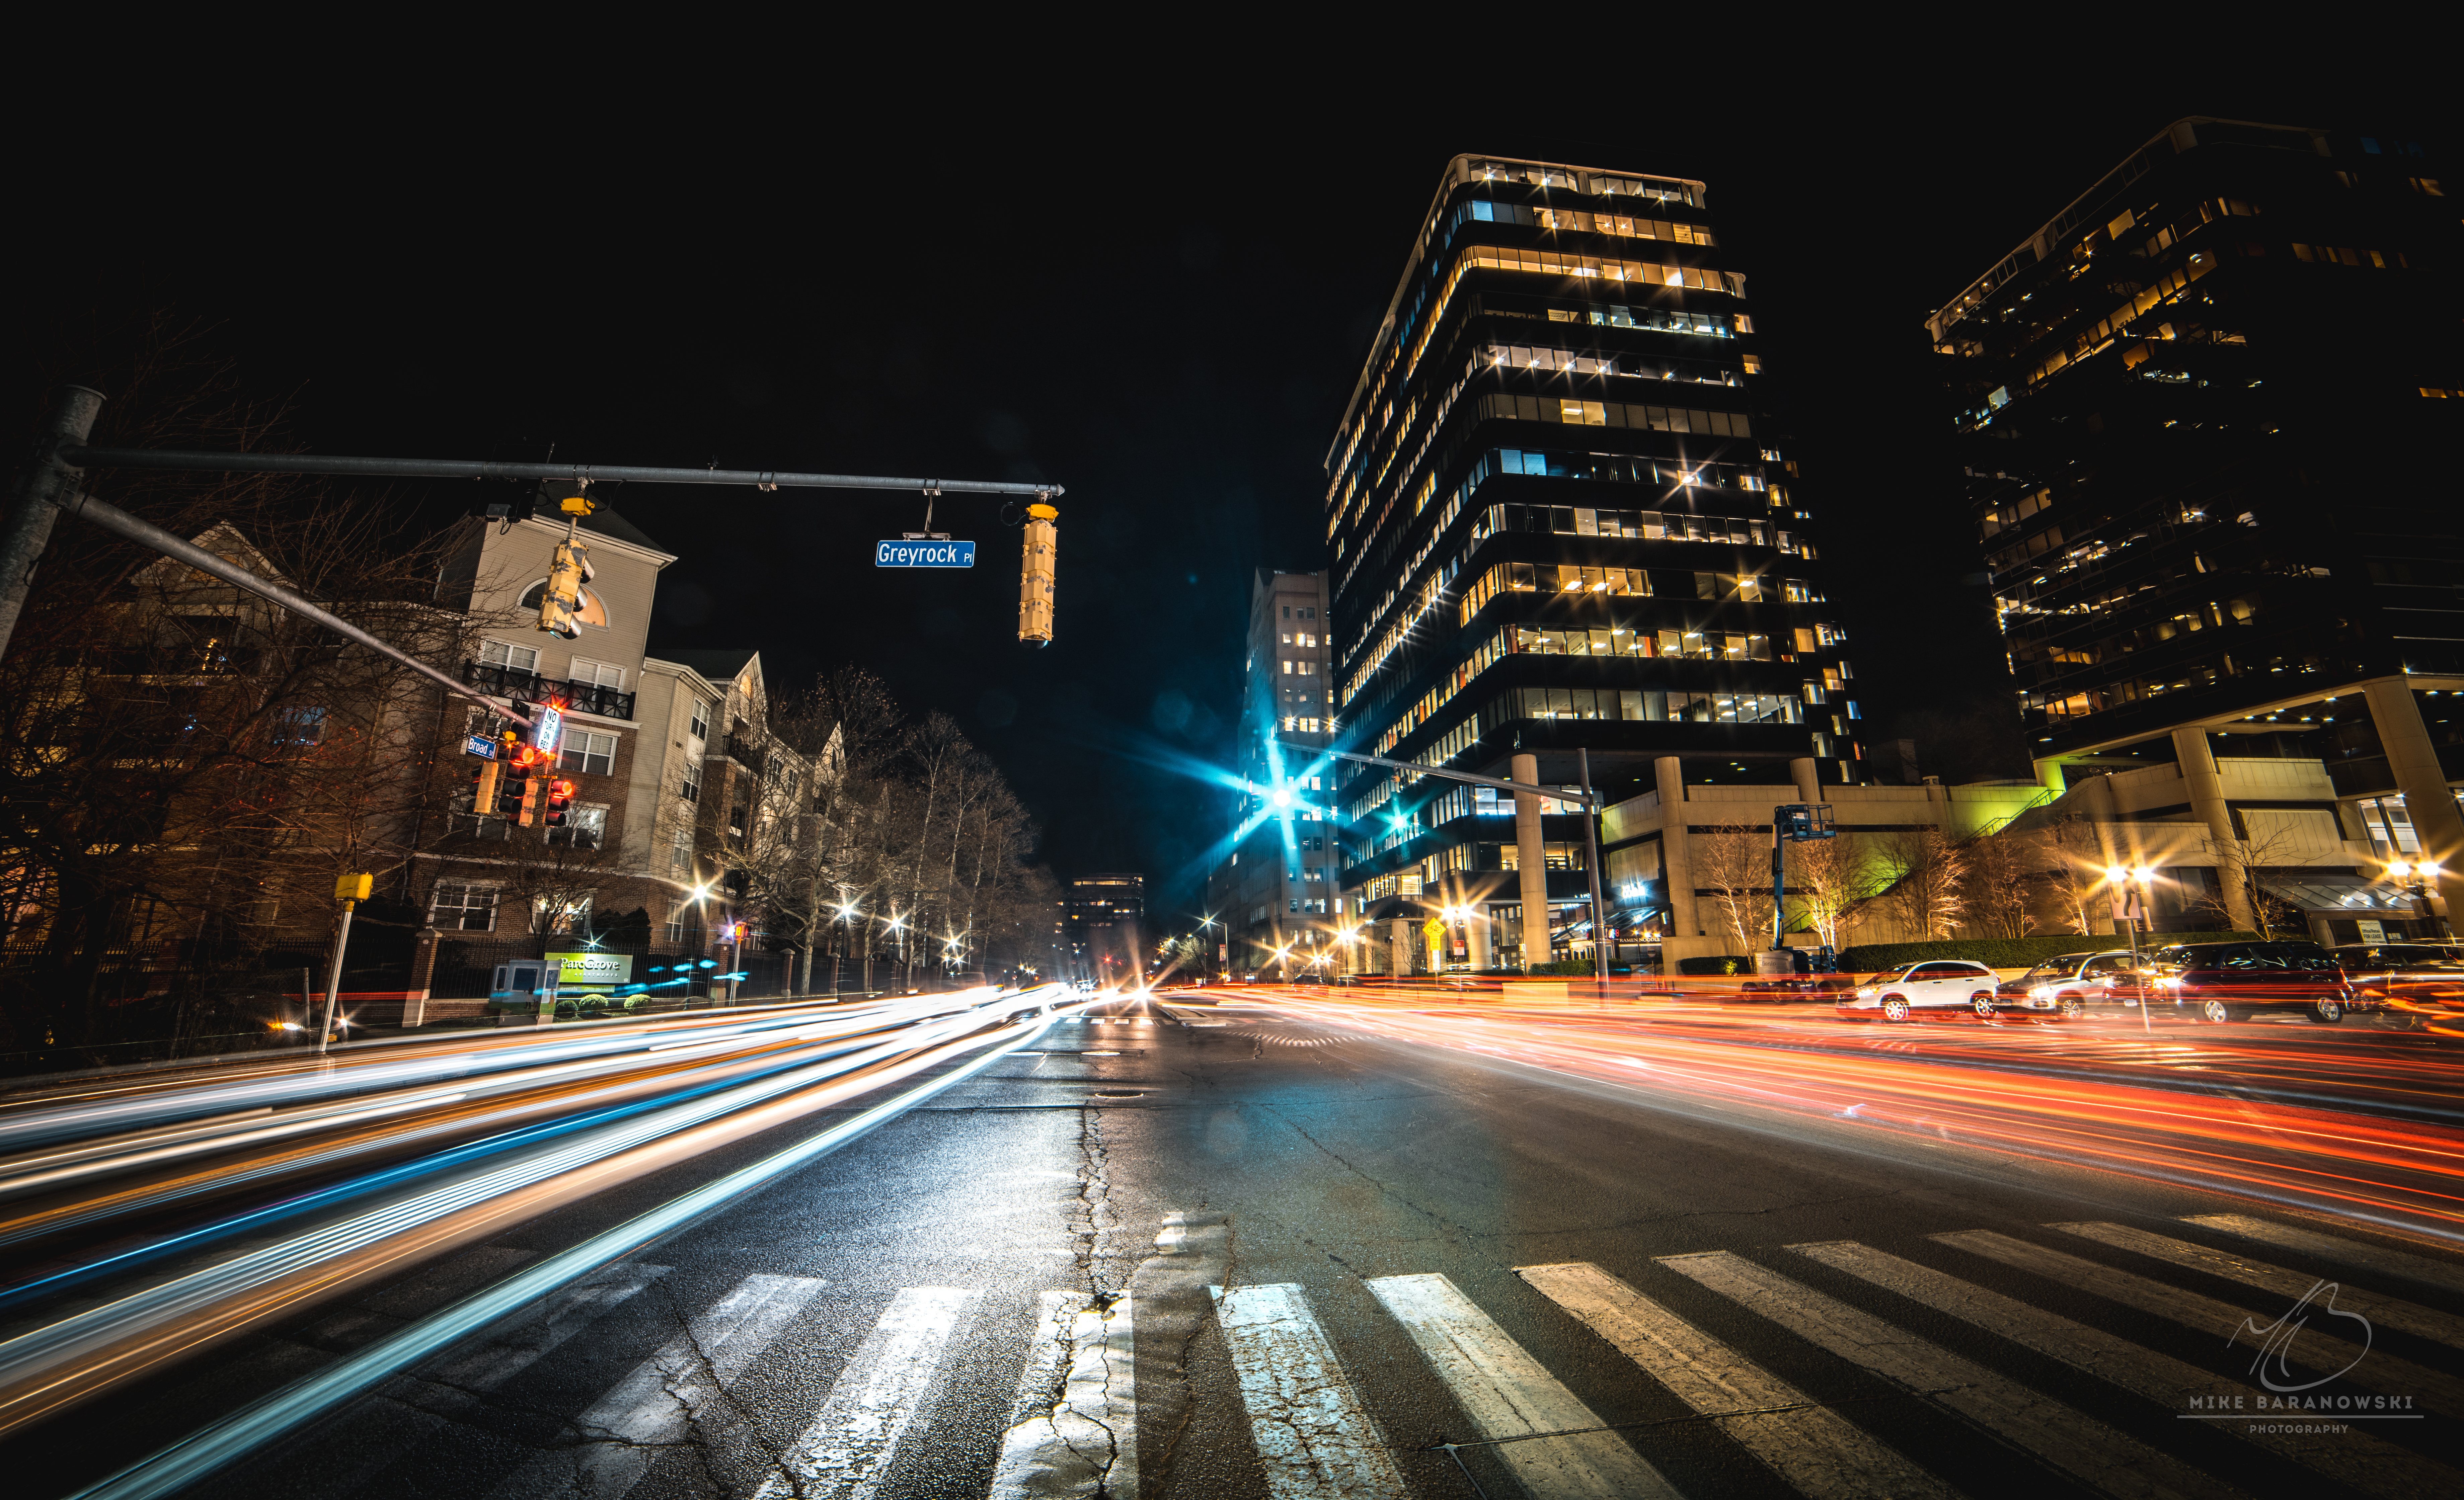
(2337,895)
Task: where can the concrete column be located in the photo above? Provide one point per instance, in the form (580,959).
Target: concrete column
(1675,867)
(2206,787)
(2415,762)
(1401,945)
(2049,775)
(1807,773)
(1532,861)
(1481,942)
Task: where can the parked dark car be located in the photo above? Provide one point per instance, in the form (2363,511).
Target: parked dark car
(2403,975)
(2234,981)
(2066,985)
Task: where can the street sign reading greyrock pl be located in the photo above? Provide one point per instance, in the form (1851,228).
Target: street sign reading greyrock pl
(938,552)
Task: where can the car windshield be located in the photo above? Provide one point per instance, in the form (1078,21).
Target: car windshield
(2053,968)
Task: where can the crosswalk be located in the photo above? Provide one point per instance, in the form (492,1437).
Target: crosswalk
(1961,1328)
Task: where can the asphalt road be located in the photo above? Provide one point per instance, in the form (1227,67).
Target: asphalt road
(1202,1252)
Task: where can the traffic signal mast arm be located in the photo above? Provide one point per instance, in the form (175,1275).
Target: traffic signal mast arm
(1589,799)
(83,457)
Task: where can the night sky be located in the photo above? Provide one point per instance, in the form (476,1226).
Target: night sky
(1158,300)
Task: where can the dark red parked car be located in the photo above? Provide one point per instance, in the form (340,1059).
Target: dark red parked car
(2235,981)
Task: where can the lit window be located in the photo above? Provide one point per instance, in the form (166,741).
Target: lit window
(585,751)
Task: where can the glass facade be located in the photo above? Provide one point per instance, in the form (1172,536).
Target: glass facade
(1563,518)
(2206,436)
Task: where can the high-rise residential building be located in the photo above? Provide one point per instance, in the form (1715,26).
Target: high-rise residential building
(1563,522)
(2207,412)
(1274,892)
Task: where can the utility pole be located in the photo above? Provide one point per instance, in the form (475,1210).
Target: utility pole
(350,890)
(47,481)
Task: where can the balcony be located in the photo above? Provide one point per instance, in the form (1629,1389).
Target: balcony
(505,682)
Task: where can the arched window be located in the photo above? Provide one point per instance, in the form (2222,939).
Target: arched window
(593,611)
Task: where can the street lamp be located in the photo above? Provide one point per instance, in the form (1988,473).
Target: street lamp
(2415,876)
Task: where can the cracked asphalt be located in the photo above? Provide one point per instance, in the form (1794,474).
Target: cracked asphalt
(1142,1160)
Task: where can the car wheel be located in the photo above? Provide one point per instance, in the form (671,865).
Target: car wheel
(2326,1011)
(1895,1009)
(2073,1008)
(2215,1011)
(1984,1004)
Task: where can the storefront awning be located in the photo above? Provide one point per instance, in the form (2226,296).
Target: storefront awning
(2337,895)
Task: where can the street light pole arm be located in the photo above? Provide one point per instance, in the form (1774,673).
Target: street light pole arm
(1589,799)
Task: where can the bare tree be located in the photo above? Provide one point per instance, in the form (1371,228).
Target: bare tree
(2240,862)
(186,767)
(1925,872)
(1734,862)
(1999,890)
(1831,879)
(2075,876)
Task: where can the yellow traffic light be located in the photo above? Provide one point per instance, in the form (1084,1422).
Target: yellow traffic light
(568,570)
(1035,577)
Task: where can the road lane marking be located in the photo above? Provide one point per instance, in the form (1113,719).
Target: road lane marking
(2068,1440)
(1508,1395)
(2348,1456)
(2308,1344)
(2327,1247)
(1813,1448)
(2381,1310)
(850,1442)
(1317,1442)
(1075,1427)
(671,1392)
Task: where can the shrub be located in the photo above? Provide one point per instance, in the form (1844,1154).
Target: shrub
(2012,952)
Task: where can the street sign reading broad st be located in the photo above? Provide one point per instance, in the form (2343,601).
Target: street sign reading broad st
(930,552)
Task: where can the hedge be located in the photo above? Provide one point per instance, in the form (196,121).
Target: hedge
(2011,952)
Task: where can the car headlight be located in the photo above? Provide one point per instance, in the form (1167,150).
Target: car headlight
(2040,992)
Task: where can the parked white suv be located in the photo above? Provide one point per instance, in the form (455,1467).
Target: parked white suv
(1936,984)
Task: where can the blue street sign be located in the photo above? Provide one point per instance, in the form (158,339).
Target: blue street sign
(479,744)
(924,554)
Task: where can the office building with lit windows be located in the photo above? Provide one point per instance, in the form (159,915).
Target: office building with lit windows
(1562,521)
(1102,928)
(1274,891)
(2207,416)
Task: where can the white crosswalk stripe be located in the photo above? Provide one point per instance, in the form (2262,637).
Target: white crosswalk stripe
(1314,1437)
(2382,1310)
(850,1444)
(2274,1336)
(2327,1247)
(1814,1449)
(2067,1439)
(2355,1458)
(666,1396)
(1553,1444)
(1074,1430)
